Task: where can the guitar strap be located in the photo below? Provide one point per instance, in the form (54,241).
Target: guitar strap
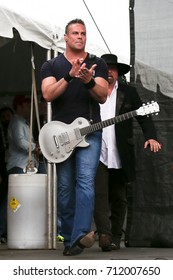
(91,61)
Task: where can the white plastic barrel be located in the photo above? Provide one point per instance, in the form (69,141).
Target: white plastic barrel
(27,211)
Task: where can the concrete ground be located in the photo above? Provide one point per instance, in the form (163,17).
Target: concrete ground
(93,253)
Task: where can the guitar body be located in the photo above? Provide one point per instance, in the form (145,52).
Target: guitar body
(57,140)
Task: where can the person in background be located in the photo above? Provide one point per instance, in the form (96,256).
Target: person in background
(76,85)
(19,137)
(6,114)
(42,163)
(117,161)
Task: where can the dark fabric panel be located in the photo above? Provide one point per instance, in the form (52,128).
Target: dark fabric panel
(150,198)
(15,58)
(132,41)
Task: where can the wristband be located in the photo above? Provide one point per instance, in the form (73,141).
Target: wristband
(68,78)
(91,84)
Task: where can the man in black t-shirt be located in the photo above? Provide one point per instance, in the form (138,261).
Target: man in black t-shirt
(76,86)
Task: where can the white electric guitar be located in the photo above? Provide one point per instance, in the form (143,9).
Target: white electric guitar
(58,140)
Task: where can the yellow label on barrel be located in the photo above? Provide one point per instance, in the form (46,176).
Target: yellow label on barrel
(14,204)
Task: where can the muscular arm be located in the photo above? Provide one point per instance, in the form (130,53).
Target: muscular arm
(51,88)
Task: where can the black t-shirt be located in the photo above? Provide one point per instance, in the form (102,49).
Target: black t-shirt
(75,101)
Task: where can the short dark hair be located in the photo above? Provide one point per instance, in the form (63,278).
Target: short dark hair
(4,109)
(73,21)
(19,100)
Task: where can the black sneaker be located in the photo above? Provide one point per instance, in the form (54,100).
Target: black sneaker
(105,243)
(75,250)
(72,251)
(66,251)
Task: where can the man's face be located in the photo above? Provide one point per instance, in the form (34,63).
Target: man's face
(112,74)
(76,36)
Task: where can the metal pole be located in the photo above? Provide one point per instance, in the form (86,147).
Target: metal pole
(49,179)
(54,204)
(54,207)
(52,187)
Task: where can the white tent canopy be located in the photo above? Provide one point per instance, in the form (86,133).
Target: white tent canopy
(154,44)
(30,30)
(43,22)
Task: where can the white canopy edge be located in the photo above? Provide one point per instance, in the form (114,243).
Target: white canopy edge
(31,30)
(44,23)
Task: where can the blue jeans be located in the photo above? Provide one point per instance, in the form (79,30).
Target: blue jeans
(42,167)
(15,170)
(76,178)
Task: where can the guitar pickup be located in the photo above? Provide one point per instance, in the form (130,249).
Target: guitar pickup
(77,133)
(65,138)
(56,141)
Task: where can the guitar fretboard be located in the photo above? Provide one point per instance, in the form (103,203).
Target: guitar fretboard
(97,126)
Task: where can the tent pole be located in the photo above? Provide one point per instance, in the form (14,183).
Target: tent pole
(54,204)
(52,188)
(50,177)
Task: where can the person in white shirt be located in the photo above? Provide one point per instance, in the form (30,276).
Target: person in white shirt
(19,136)
(117,160)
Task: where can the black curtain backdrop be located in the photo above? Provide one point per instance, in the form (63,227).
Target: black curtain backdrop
(150,197)
(16,66)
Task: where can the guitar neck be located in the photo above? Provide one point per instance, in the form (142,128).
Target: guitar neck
(97,126)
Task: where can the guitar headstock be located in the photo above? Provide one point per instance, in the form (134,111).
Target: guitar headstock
(149,108)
